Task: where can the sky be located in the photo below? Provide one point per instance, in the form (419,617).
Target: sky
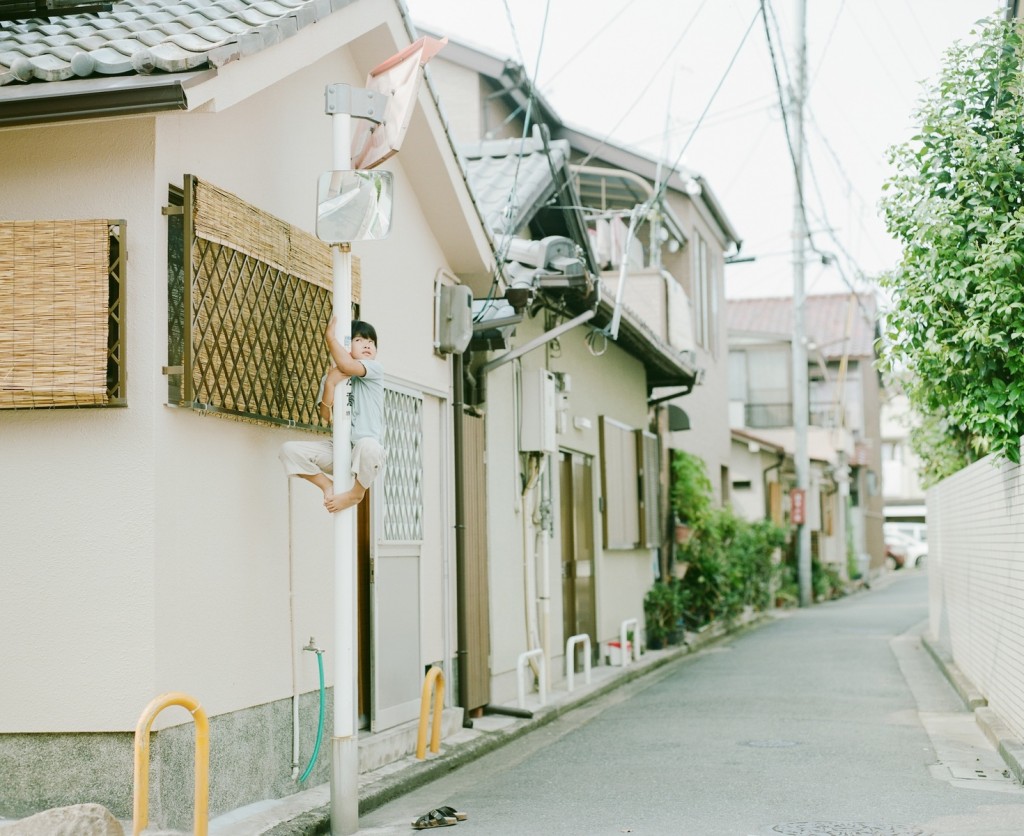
(692,81)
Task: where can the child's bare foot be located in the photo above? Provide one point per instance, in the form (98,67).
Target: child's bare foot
(341,501)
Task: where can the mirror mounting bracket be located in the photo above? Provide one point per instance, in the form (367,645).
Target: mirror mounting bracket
(357,102)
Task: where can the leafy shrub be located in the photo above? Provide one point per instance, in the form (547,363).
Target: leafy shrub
(730,566)
(663,612)
(691,492)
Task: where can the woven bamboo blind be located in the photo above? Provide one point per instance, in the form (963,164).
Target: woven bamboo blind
(54,305)
(260,303)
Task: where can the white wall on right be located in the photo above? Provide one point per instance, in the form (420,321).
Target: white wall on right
(976,588)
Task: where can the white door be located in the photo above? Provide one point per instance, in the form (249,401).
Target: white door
(395,576)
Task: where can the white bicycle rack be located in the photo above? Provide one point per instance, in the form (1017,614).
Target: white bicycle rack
(521,676)
(624,641)
(570,661)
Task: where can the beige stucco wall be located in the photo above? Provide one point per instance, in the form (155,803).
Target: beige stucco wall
(77,487)
(708,404)
(153,544)
(612,384)
(747,465)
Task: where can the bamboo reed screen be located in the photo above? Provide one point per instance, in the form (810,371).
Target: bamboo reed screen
(259,300)
(59,286)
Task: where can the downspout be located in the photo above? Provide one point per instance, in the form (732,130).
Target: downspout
(461,616)
(541,519)
(534,471)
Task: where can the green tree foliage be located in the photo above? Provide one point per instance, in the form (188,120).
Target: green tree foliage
(690,493)
(955,335)
(730,566)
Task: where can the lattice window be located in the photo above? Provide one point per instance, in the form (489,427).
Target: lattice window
(257,292)
(403,474)
(62,313)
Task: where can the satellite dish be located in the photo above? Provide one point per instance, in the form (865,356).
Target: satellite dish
(398,78)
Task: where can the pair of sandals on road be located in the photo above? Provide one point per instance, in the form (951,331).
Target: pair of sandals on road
(439,817)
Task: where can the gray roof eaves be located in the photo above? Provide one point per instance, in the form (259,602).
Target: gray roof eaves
(88,98)
(630,160)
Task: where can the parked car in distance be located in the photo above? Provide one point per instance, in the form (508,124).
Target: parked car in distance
(917,530)
(902,550)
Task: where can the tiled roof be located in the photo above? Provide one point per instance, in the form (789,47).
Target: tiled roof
(825,321)
(149,36)
(493,166)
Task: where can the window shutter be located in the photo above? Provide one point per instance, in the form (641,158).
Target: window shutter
(619,474)
(648,452)
(55,291)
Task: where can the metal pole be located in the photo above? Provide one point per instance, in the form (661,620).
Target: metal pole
(344,743)
(800,396)
(461,559)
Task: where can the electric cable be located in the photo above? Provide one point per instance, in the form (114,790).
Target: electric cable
(637,99)
(700,120)
(800,194)
(589,41)
(502,254)
(825,46)
(785,123)
(879,58)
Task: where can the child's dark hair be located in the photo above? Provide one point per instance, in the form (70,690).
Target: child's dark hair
(364,329)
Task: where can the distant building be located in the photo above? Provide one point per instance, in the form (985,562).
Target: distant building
(844,397)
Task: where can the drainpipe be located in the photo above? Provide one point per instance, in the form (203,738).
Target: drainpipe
(462,633)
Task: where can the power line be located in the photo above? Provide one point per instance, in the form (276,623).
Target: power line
(800,195)
(732,61)
(590,40)
(653,78)
(720,117)
(785,119)
(509,211)
(825,46)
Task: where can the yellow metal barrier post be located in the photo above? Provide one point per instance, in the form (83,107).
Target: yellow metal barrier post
(140,812)
(435,733)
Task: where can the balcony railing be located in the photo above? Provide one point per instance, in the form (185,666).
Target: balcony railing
(768,416)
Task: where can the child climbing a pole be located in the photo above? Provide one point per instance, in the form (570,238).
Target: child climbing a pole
(314,460)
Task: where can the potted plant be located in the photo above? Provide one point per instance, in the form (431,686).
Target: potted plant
(690,493)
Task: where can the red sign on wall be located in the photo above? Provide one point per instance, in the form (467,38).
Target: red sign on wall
(798,506)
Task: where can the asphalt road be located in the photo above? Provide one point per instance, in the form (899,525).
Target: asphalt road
(829,720)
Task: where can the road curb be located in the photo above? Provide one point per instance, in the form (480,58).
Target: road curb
(972,697)
(389,787)
(1010,749)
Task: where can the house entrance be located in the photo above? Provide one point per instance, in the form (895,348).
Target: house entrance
(576,472)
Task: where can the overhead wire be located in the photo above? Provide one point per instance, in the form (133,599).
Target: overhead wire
(870,41)
(800,193)
(828,42)
(851,188)
(720,117)
(641,210)
(509,211)
(647,86)
(589,41)
(654,198)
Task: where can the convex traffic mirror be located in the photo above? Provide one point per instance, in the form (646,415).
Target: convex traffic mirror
(353,206)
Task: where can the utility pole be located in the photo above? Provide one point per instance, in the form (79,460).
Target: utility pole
(800,404)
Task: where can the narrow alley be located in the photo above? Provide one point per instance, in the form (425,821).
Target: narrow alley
(830,720)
